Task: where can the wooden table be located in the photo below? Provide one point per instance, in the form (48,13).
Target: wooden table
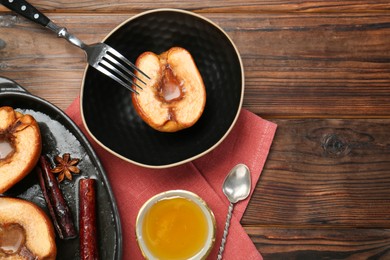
(319,69)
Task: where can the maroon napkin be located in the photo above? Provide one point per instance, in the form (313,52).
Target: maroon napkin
(248,142)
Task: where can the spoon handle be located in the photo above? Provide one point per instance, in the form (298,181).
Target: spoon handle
(225,231)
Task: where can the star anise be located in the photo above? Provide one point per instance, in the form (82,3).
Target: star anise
(65,166)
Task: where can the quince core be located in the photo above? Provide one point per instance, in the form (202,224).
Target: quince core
(26,232)
(175,96)
(20,146)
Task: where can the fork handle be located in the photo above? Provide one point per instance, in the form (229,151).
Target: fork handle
(25,9)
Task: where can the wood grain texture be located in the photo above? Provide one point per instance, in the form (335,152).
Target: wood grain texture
(324,192)
(302,244)
(319,69)
(222,6)
(325,173)
(311,65)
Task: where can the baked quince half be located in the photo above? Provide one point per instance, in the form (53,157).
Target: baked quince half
(26,232)
(20,146)
(175,96)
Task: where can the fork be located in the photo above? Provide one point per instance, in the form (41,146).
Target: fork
(99,55)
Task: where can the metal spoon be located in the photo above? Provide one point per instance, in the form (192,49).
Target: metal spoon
(236,187)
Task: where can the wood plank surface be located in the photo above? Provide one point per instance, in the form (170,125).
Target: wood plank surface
(302,244)
(312,65)
(319,69)
(325,173)
(221,6)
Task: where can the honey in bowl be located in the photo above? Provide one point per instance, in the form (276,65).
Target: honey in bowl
(175,225)
(174,228)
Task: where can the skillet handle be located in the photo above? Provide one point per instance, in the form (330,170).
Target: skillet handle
(25,9)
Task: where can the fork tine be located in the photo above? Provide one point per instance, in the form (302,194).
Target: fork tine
(117,73)
(125,60)
(111,75)
(126,70)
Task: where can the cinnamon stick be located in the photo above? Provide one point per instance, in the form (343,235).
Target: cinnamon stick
(88,231)
(58,208)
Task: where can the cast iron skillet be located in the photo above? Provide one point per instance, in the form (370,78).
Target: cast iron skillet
(61,135)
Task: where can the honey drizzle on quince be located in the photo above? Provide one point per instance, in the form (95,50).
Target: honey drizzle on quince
(6,136)
(5,148)
(13,242)
(170,88)
(12,239)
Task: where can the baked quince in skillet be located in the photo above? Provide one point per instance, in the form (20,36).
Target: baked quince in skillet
(20,146)
(175,96)
(26,232)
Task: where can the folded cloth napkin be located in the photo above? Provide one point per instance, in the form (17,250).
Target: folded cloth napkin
(132,185)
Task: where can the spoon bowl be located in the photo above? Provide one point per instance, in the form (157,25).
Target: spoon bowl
(236,187)
(237,184)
